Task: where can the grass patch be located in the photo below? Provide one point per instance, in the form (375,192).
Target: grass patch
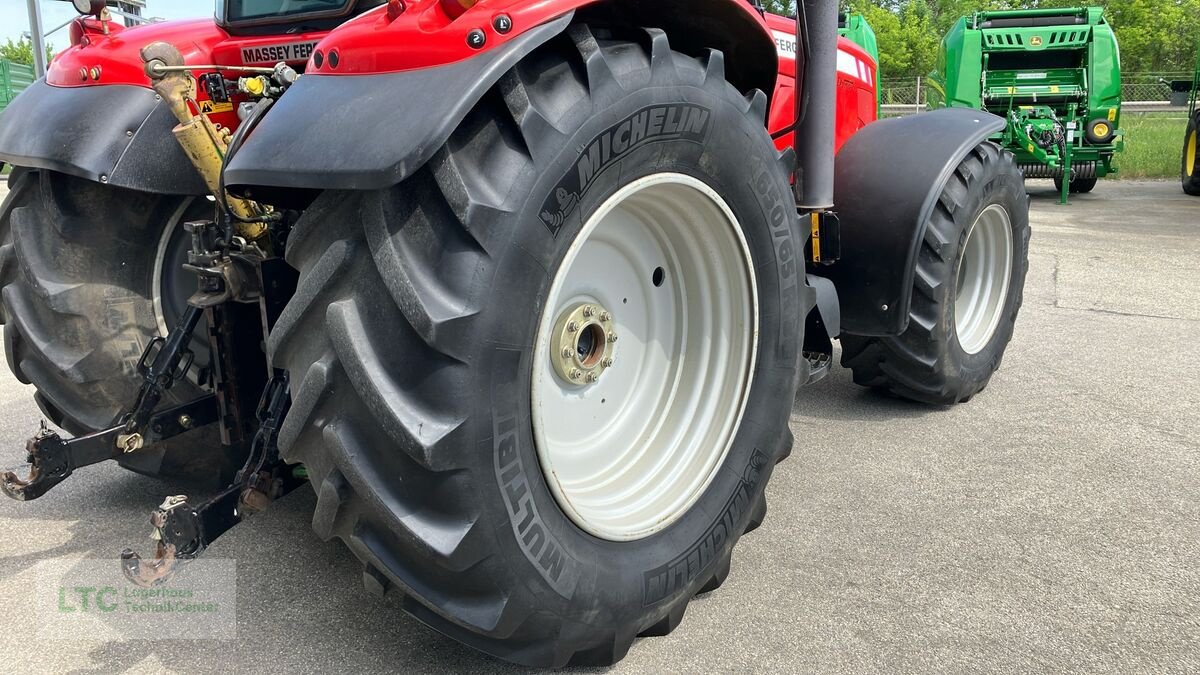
(1153,143)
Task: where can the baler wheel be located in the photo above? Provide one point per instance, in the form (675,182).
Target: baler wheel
(84,269)
(1078,186)
(1190,170)
(540,385)
(967,289)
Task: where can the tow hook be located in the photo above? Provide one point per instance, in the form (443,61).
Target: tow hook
(182,532)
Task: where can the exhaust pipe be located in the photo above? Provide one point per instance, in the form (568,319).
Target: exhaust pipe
(816,39)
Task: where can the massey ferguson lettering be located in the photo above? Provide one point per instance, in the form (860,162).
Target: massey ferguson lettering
(660,583)
(655,123)
(272,54)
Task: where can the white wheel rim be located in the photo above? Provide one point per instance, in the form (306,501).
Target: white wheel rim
(160,254)
(984,272)
(630,453)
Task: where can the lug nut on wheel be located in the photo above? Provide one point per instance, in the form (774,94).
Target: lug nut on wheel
(582,345)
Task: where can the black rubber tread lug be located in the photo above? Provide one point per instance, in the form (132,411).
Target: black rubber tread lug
(316,289)
(599,72)
(714,71)
(484,613)
(662,58)
(611,650)
(20,182)
(71,364)
(667,624)
(434,305)
(306,399)
(720,574)
(533,123)
(787,159)
(375,581)
(758,105)
(757,515)
(415,425)
(332,495)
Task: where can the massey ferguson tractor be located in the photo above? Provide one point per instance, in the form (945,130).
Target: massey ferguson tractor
(523,289)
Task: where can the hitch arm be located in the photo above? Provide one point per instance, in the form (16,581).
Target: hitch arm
(52,459)
(164,371)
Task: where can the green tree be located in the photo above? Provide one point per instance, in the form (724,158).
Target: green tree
(1155,35)
(21,51)
(781,7)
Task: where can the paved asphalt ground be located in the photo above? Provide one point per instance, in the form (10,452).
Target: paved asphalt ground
(1052,524)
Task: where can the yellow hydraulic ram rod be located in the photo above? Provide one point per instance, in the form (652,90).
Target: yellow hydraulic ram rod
(201,140)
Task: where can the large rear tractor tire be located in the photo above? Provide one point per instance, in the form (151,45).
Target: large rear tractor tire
(1190,169)
(967,289)
(540,385)
(78,272)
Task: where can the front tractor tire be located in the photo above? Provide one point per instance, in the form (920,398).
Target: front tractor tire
(77,272)
(968,283)
(540,385)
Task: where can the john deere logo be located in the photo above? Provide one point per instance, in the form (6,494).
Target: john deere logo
(1035,41)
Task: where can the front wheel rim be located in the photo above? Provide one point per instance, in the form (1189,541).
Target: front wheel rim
(984,274)
(629,434)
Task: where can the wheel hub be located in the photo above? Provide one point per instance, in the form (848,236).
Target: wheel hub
(664,266)
(584,337)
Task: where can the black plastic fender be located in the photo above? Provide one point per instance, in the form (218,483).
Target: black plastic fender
(367,132)
(114,134)
(888,178)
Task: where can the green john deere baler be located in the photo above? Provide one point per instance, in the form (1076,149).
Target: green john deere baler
(1054,74)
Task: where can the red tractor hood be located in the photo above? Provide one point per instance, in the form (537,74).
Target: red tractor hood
(118,56)
(201,41)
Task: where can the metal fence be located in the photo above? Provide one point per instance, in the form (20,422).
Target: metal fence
(14,77)
(1138,91)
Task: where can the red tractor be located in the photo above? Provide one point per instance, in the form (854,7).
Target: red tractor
(524,290)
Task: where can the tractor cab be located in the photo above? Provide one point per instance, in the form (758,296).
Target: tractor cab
(259,17)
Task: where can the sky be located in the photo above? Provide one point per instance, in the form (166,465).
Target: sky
(14,15)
